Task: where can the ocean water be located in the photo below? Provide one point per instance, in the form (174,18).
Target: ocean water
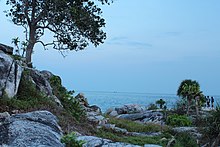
(107,100)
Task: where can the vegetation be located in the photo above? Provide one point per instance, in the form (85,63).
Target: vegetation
(68,101)
(211,128)
(119,137)
(185,140)
(152,107)
(190,90)
(73,24)
(161,103)
(178,120)
(29,98)
(70,140)
(132,126)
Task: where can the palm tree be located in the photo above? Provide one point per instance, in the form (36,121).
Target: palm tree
(160,102)
(190,90)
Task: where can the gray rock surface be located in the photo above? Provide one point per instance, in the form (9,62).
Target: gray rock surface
(92,141)
(33,129)
(133,117)
(41,81)
(6,49)
(136,113)
(10,75)
(192,130)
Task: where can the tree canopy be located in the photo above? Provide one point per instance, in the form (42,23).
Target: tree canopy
(73,23)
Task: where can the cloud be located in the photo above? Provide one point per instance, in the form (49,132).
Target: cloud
(125,41)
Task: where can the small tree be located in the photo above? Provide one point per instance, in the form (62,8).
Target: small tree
(73,23)
(160,102)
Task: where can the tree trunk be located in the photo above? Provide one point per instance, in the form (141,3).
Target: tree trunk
(30,46)
(29,52)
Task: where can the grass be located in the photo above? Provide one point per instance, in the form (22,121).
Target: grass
(118,137)
(132,126)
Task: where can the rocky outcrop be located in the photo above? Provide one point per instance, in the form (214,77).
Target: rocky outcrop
(93,113)
(10,75)
(136,113)
(41,79)
(6,49)
(92,141)
(33,129)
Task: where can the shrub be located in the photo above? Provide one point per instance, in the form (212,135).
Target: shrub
(178,120)
(152,107)
(70,140)
(185,140)
(71,104)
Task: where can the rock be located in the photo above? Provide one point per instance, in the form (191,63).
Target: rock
(10,75)
(95,108)
(41,82)
(147,134)
(113,113)
(4,115)
(192,130)
(152,145)
(38,128)
(6,49)
(82,99)
(108,111)
(127,109)
(133,117)
(92,141)
(47,74)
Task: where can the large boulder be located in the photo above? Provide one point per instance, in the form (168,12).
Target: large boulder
(33,129)
(10,75)
(41,80)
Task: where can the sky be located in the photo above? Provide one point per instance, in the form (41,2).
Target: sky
(151,46)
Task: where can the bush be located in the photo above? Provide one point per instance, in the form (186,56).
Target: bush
(178,120)
(70,140)
(152,107)
(185,140)
(71,104)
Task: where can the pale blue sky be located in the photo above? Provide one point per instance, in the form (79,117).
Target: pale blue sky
(152,46)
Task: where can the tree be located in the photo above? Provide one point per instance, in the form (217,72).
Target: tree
(160,102)
(190,90)
(73,23)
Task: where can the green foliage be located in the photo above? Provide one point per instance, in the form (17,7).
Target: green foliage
(73,24)
(152,107)
(20,47)
(160,102)
(68,101)
(70,140)
(178,120)
(183,90)
(212,126)
(137,140)
(27,89)
(185,140)
(132,126)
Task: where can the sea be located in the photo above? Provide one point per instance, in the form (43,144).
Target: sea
(106,100)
